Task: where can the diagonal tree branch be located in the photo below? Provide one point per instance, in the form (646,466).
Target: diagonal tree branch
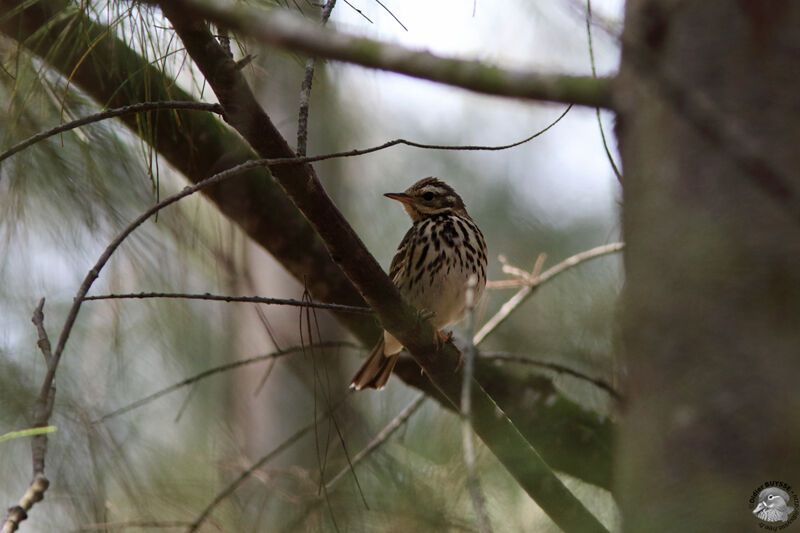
(281,28)
(397,316)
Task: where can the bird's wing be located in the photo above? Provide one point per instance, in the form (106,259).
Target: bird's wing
(401,257)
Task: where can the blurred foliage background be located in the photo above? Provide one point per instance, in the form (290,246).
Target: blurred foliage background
(64,199)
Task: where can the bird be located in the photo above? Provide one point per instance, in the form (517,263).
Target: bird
(772,505)
(435,260)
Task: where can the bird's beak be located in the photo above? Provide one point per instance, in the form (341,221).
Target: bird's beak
(760,507)
(400,197)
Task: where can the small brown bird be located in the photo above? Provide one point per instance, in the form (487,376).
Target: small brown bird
(431,268)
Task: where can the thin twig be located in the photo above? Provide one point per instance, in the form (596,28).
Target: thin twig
(528,286)
(226,298)
(354,8)
(614,167)
(363,151)
(136,108)
(216,370)
(43,342)
(227,491)
(305,88)
(382,436)
(467,440)
(392,14)
(133,524)
(550,365)
(111,113)
(43,408)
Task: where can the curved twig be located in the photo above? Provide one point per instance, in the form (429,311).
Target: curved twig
(111,113)
(614,167)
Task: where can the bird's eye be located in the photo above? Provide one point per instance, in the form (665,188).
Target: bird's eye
(428,196)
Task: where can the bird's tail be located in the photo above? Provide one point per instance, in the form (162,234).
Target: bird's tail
(375,371)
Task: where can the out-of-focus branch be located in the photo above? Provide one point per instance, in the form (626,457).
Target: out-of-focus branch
(281,28)
(397,316)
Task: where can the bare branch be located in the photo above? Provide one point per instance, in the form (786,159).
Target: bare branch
(467,443)
(284,29)
(105,115)
(305,88)
(217,370)
(225,298)
(44,341)
(43,408)
(533,282)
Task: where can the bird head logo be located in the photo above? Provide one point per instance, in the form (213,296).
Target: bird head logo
(773,505)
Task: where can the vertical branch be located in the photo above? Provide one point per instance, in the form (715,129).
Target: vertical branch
(41,415)
(305,89)
(467,442)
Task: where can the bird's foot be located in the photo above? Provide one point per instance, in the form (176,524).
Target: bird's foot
(424,314)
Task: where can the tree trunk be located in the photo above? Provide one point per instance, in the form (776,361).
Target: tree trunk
(708,103)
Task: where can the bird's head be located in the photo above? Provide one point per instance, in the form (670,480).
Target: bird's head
(772,498)
(429,197)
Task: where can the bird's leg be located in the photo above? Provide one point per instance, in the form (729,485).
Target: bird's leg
(441,338)
(424,314)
